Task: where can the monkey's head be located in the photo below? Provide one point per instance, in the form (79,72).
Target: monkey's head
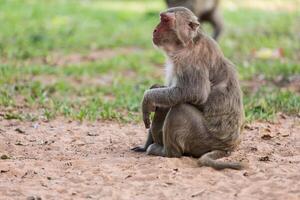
(176,29)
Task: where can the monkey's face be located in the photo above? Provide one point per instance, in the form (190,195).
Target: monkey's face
(177,27)
(164,33)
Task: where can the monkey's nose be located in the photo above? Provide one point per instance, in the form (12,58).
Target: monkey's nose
(155,30)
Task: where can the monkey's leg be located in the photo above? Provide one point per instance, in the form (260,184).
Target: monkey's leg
(184,132)
(155,131)
(174,130)
(217,23)
(157,125)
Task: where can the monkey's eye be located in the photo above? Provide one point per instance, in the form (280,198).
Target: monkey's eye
(193,25)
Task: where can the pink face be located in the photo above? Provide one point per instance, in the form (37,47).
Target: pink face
(164,28)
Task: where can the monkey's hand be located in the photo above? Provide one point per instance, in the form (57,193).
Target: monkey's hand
(147,108)
(156,86)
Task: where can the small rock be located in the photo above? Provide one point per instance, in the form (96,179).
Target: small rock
(264,158)
(24,176)
(245,174)
(285,134)
(44,142)
(92,134)
(283,116)
(44,185)
(19,130)
(33,198)
(35,126)
(19,143)
(128,176)
(248,127)
(4,170)
(268,130)
(69,164)
(266,137)
(197,194)
(4,157)
(253,148)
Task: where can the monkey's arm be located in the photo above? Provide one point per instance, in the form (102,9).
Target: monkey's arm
(191,89)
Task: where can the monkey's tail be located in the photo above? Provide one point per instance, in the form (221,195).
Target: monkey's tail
(209,159)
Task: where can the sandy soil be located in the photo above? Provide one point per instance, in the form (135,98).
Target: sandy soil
(70,160)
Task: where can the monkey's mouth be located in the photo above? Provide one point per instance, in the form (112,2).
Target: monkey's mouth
(155,39)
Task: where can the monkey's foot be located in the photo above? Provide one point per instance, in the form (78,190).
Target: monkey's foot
(138,149)
(156,150)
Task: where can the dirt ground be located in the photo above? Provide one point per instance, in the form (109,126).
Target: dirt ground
(64,159)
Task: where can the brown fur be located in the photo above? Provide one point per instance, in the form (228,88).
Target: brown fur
(205,10)
(200,112)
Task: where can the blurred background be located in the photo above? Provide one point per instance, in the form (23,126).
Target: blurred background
(93,59)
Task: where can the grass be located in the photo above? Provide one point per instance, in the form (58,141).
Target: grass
(112,88)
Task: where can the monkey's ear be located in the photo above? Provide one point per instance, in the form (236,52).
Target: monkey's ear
(194,25)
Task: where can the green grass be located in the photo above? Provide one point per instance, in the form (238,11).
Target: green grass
(112,88)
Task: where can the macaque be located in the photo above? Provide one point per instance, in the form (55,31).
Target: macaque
(199,112)
(205,10)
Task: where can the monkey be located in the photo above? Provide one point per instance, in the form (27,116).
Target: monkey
(199,112)
(205,10)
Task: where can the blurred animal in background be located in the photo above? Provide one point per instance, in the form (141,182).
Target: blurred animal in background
(199,112)
(205,10)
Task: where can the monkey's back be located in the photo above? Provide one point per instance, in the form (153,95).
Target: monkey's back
(223,110)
